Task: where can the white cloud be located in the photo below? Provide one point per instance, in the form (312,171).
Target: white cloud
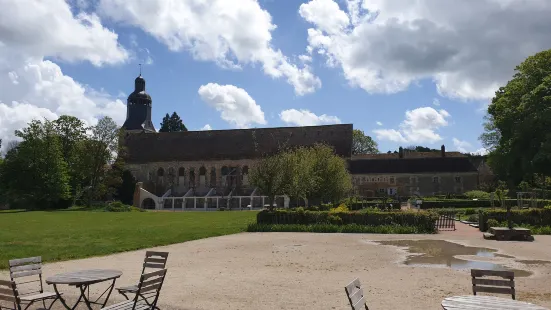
(436,102)
(379,124)
(461,146)
(307,118)
(206,127)
(234,104)
(420,126)
(34,88)
(466,147)
(218,30)
(469,48)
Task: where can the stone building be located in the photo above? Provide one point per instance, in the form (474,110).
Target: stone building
(413,173)
(207,169)
(213,163)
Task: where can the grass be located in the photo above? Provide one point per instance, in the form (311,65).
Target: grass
(64,235)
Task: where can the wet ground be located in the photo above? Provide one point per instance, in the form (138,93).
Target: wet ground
(442,254)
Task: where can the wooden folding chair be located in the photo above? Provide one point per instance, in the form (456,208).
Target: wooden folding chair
(9,295)
(498,286)
(153,260)
(22,271)
(147,294)
(355,295)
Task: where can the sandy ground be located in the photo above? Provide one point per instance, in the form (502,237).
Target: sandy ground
(309,271)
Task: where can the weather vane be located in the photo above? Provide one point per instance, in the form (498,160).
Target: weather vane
(140,68)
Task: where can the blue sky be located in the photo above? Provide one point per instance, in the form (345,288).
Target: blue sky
(404,72)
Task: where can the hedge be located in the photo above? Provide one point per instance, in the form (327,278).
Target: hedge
(531,217)
(423,221)
(331,228)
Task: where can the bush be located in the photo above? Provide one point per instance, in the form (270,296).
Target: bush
(530,217)
(492,223)
(329,228)
(472,218)
(117,206)
(477,195)
(470,211)
(423,221)
(341,208)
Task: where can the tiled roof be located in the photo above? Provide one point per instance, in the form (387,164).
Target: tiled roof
(233,144)
(411,165)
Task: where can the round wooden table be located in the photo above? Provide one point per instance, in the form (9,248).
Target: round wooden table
(486,302)
(83,279)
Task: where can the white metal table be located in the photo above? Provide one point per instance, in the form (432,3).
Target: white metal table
(472,302)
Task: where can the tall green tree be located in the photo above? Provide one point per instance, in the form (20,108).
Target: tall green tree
(362,144)
(518,121)
(34,174)
(172,123)
(268,176)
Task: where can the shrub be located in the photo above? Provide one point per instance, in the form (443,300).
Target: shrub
(423,221)
(117,206)
(531,217)
(477,195)
(470,211)
(472,218)
(492,223)
(341,208)
(329,228)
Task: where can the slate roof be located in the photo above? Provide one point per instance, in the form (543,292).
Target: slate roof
(411,165)
(233,144)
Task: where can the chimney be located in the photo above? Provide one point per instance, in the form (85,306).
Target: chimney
(400,152)
(443,150)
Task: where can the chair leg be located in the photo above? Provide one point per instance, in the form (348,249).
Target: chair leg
(123,294)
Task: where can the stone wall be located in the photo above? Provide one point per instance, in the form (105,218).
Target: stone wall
(200,176)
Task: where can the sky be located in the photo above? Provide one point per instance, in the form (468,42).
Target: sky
(406,72)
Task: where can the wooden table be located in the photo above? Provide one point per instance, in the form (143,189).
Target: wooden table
(486,303)
(83,279)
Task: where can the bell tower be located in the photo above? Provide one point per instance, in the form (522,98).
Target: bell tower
(138,109)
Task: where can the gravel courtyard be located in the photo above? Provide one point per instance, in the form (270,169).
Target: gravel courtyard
(309,271)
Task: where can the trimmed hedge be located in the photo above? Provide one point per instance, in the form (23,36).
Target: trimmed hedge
(423,221)
(531,217)
(331,228)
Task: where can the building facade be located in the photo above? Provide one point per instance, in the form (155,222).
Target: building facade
(216,163)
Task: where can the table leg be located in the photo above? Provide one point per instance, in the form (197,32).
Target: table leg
(109,294)
(83,289)
(59,296)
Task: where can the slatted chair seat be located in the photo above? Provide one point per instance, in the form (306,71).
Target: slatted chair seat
(147,294)
(483,284)
(39,296)
(10,296)
(355,295)
(152,260)
(129,304)
(21,271)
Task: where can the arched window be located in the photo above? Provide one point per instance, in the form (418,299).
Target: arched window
(245,175)
(191,177)
(202,176)
(160,172)
(181,176)
(224,173)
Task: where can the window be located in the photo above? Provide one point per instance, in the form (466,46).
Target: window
(372,179)
(381,190)
(435,180)
(457,179)
(364,179)
(392,180)
(378,179)
(412,180)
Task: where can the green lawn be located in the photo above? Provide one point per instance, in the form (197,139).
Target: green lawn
(63,235)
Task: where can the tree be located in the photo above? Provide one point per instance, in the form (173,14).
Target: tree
(34,174)
(362,144)
(331,173)
(172,123)
(516,128)
(267,175)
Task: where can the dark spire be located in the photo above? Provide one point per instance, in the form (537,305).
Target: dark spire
(138,116)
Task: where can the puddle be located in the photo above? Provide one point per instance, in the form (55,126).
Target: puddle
(440,253)
(533,262)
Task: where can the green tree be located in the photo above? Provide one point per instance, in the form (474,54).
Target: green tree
(267,174)
(172,123)
(516,128)
(333,179)
(362,144)
(34,174)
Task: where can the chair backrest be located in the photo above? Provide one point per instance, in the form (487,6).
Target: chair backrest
(355,295)
(149,288)
(8,293)
(499,286)
(155,260)
(27,267)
